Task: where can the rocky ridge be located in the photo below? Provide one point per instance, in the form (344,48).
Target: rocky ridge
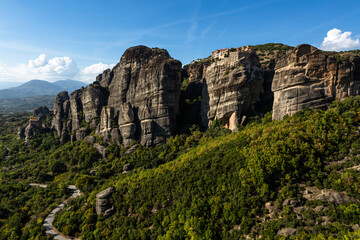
(148,97)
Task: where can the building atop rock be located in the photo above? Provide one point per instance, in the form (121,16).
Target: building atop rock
(231,88)
(35,122)
(139,99)
(220,53)
(33,128)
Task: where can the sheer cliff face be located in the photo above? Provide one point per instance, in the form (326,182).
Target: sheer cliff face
(144,94)
(137,100)
(231,88)
(308,77)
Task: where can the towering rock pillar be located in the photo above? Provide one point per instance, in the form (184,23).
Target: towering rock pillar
(144,93)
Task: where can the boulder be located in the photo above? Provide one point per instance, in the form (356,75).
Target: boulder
(291,202)
(103,202)
(327,195)
(101,149)
(287,232)
(131,150)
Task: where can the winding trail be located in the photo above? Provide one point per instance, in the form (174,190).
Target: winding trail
(49,228)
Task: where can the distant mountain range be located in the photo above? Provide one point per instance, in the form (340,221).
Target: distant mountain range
(40,88)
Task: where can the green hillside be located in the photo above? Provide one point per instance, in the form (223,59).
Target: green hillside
(213,185)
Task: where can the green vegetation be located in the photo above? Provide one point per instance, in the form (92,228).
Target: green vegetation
(269,51)
(271,47)
(184,84)
(204,185)
(214,185)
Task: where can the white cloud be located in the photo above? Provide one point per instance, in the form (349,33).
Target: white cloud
(336,40)
(51,69)
(57,68)
(89,73)
(39,62)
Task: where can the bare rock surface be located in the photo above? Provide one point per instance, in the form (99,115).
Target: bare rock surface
(327,195)
(41,112)
(138,100)
(287,232)
(103,203)
(144,93)
(309,77)
(231,87)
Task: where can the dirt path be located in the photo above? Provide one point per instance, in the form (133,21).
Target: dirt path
(49,228)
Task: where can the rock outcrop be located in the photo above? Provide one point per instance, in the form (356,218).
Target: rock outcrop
(327,195)
(61,114)
(191,91)
(309,77)
(144,94)
(231,87)
(137,100)
(41,112)
(103,203)
(21,133)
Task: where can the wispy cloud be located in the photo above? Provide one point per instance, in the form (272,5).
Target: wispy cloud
(190,36)
(207,29)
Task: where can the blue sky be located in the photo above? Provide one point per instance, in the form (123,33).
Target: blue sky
(77,39)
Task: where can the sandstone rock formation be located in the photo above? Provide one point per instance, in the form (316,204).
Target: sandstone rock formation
(309,77)
(191,91)
(144,94)
(327,195)
(21,133)
(231,87)
(61,114)
(103,203)
(41,112)
(137,100)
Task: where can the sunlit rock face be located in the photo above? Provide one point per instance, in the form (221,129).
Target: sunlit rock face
(231,88)
(137,100)
(309,77)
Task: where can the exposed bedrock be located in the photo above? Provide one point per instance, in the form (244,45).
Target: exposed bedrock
(144,94)
(309,77)
(137,100)
(231,87)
